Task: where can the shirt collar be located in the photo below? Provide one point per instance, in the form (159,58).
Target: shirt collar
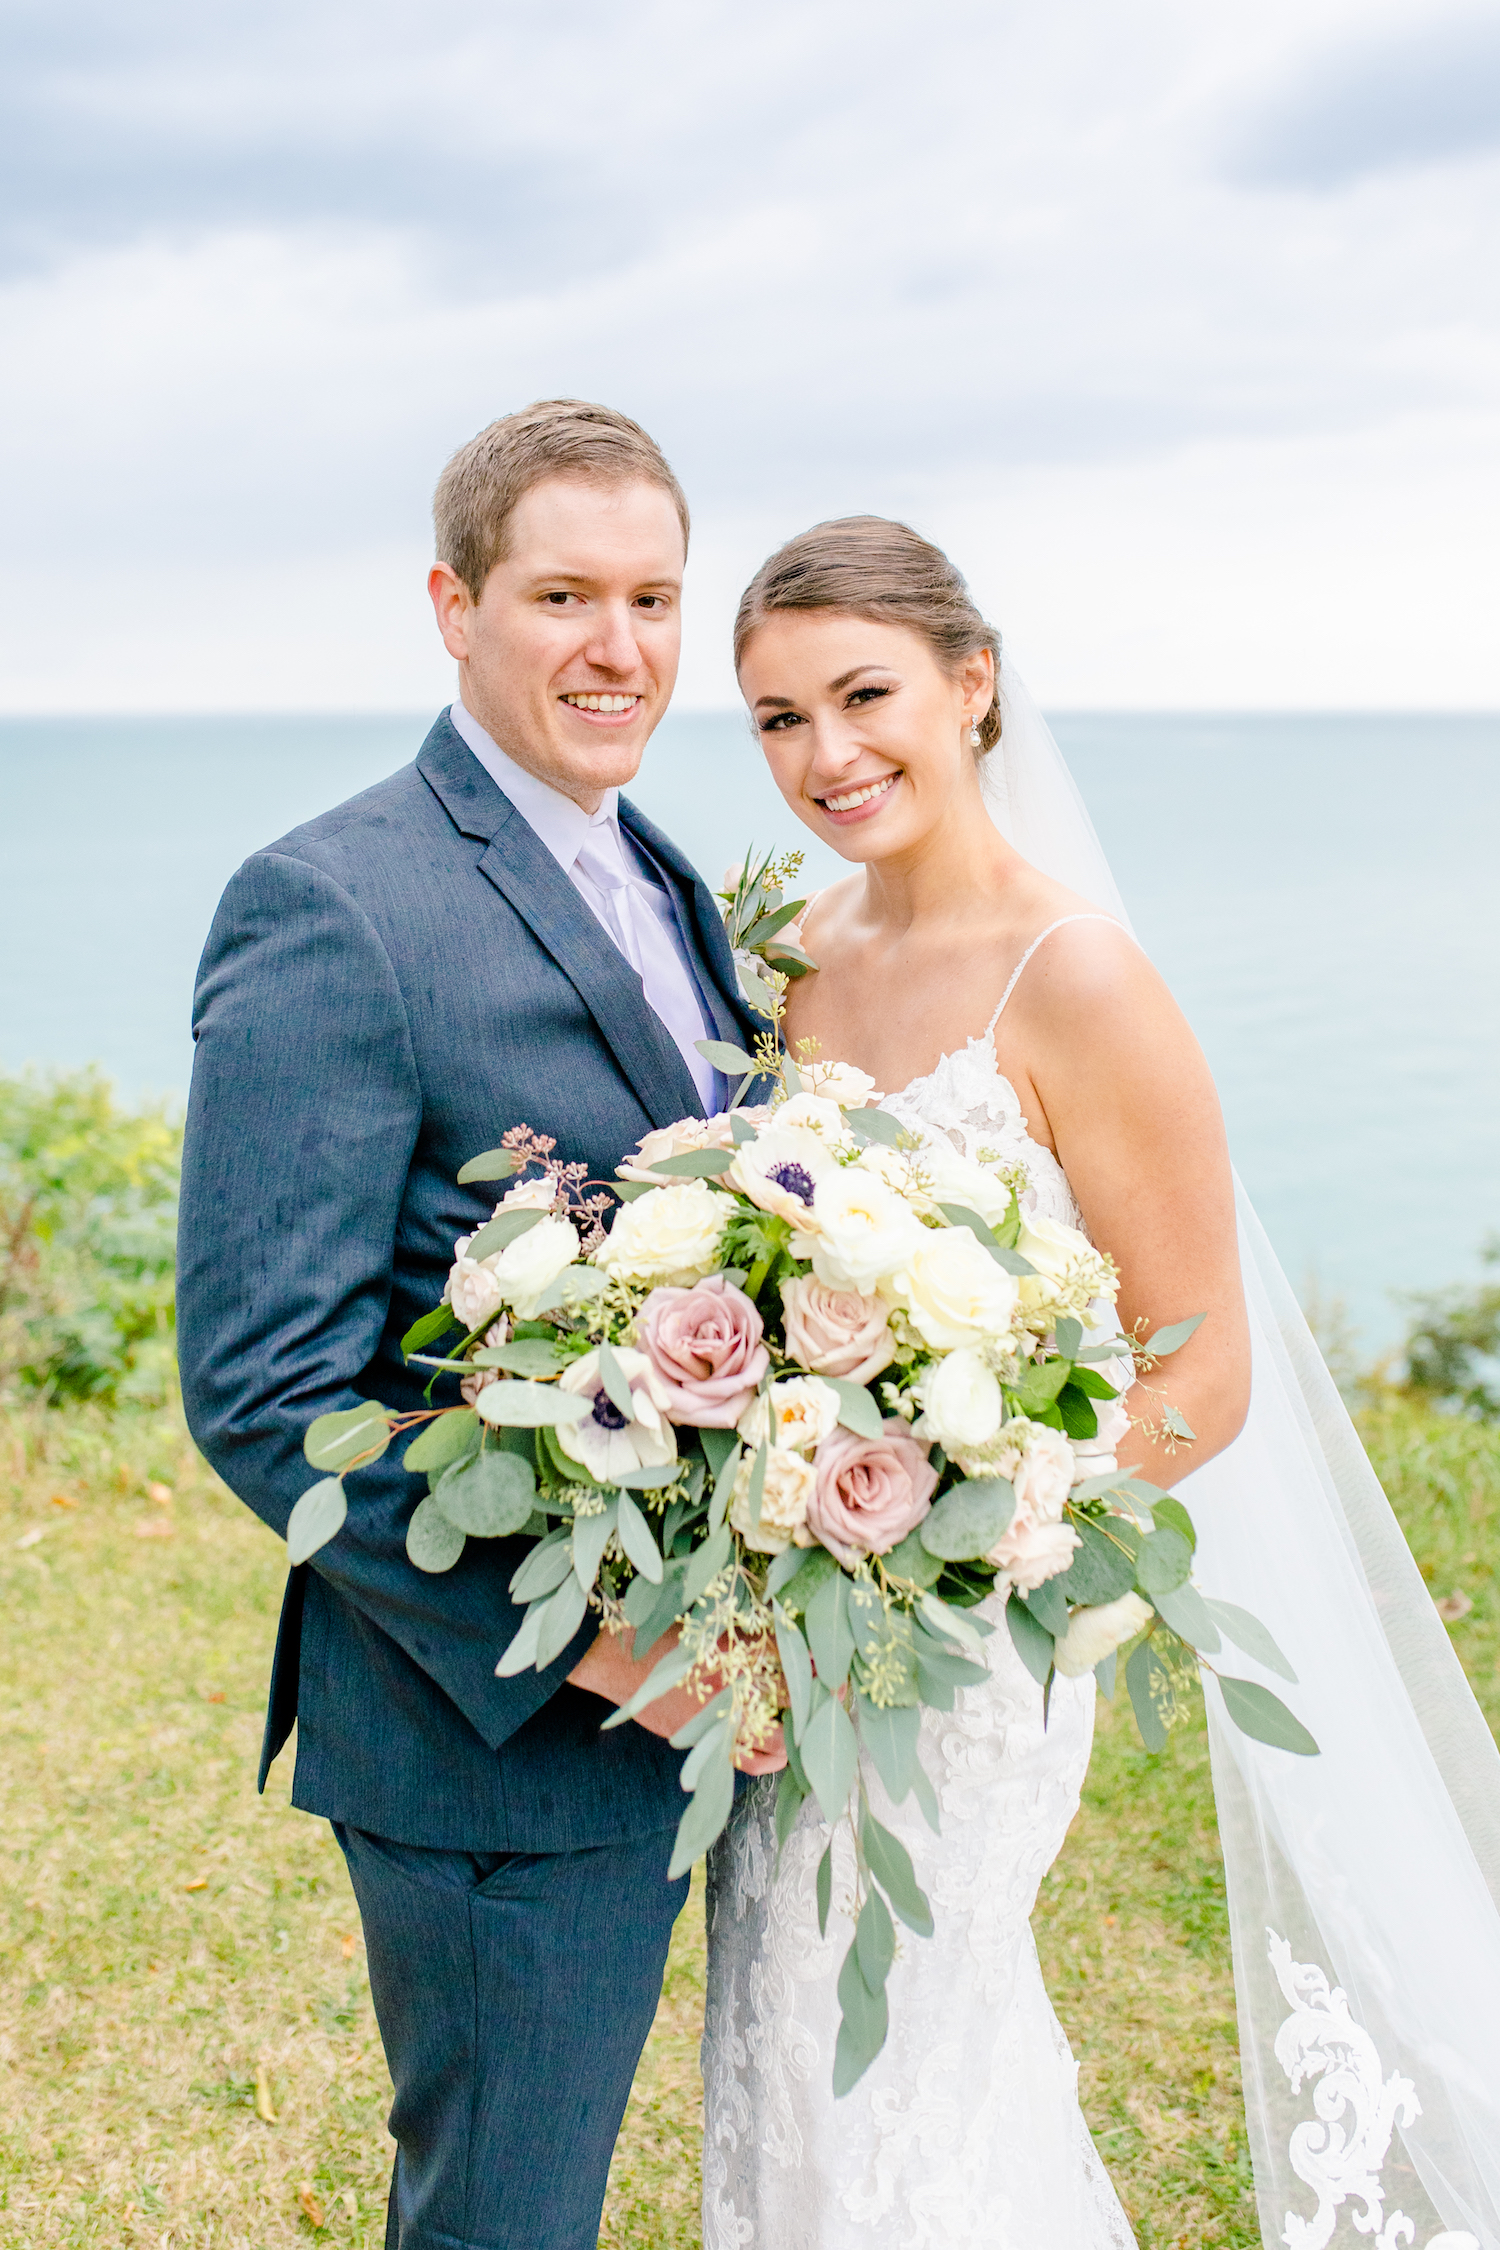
(559,822)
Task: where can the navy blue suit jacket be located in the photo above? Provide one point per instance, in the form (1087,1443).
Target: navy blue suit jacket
(383,993)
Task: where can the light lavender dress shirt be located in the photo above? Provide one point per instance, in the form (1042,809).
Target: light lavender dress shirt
(624,896)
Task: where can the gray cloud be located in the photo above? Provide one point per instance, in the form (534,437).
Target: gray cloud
(1426,97)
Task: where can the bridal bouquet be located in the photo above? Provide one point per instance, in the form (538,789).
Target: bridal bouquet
(815,1395)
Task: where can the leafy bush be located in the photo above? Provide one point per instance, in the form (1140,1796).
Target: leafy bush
(88,1209)
(1453,1346)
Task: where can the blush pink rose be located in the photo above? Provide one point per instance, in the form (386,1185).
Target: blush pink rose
(869,1492)
(836,1331)
(705,1344)
(1031,1553)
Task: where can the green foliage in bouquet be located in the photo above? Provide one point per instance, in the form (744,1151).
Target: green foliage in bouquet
(88,1211)
(818,1393)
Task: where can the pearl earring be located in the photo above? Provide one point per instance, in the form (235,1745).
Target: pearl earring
(974,742)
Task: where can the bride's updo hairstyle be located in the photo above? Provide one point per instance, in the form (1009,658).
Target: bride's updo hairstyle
(867,566)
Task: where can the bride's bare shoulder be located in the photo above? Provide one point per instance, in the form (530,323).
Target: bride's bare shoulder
(827,911)
(1088,968)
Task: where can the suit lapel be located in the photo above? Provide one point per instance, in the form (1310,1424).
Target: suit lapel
(524,872)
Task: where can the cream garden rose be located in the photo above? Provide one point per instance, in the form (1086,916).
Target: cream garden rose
(517,1276)
(953,1289)
(839,1082)
(862,1230)
(671,1236)
(1093,1633)
(941,1175)
(789,1482)
(799,1414)
(1070,1273)
(677,1140)
(961,1402)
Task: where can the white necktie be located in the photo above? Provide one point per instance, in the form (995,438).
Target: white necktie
(623,903)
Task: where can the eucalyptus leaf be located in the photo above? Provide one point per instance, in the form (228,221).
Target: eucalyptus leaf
(528,1357)
(1139,1675)
(1049,1606)
(694,1164)
(432,1542)
(863,2025)
(495,1164)
(521,1653)
(968,1520)
(544,1569)
(790,1799)
(703,1822)
(875,1941)
(733,1061)
(873,1124)
(1033,1644)
(889,1862)
(1043,1379)
(1169,1340)
(664,1611)
(829,1634)
(1249,1634)
(1104,1673)
(705,1563)
(489,1496)
(669,1673)
(1187,1613)
(716,1741)
(942,1619)
(1262,1715)
(317,1518)
(719,1447)
(783,1568)
(891,1737)
(757,1490)
(912,1562)
(504,1229)
(817,1566)
(1068,1336)
(830,1755)
(823,1887)
(1163,1563)
(444,1441)
(1102,1568)
(590,1538)
(741,1131)
(694,1729)
(857,1410)
(530,1406)
(573,1287)
(637,1540)
(796,1665)
(926,1796)
(1169,1514)
(562,1614)
(615,1383)
(334,1440)
(653,1476)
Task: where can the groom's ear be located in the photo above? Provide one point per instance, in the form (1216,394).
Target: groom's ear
(453,606)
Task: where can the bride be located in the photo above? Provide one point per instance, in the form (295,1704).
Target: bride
(978,965)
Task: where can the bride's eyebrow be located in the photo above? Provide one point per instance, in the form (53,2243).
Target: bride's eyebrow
(835,687)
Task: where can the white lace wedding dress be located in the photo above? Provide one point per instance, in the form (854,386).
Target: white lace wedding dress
(966,2132)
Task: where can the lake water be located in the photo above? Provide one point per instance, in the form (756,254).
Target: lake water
(1320,893)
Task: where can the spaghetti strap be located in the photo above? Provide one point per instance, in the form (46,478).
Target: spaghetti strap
(1015,974)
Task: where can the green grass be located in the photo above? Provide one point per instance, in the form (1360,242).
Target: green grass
(167,1939)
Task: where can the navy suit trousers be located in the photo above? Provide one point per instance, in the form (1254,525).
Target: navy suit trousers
(514,1992)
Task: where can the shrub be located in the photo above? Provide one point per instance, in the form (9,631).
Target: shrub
(1453,1346)
(88,1207)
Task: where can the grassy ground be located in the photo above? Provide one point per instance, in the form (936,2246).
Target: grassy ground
(187,2052)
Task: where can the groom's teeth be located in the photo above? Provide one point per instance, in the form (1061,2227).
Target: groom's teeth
(859,796)
(603,702)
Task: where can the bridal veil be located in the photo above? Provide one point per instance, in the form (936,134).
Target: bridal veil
(1363,1884)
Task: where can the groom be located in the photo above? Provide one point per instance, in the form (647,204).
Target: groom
(489,938)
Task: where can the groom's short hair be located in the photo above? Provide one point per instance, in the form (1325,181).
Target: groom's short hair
(486,479)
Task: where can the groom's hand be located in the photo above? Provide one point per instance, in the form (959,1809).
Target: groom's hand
(608,1670)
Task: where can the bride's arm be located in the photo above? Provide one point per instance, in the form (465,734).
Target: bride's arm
(1131,1110)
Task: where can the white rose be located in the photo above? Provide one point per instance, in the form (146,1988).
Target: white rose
(605,1442)
(955,1292)
(892,1165)
(814,1115)
(527,1267)
(1092,1633)
(783,1503)
(1070,1273)
(801,1412)
(472,1288)
(1044,1473)
(1031,1553)
(670,1236)
(948,1177)
(780,1168)
(961,1402)
(676,1140)
(529,1195)
(864,1230)
(839,1082)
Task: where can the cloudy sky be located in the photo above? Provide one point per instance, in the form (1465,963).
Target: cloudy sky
(1177,323)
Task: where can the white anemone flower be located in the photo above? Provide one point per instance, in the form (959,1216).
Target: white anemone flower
(606,1442)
